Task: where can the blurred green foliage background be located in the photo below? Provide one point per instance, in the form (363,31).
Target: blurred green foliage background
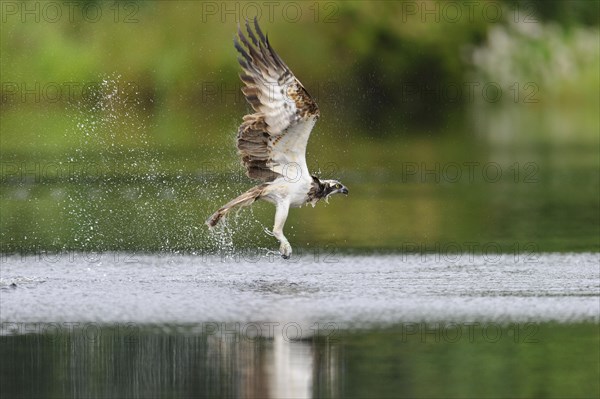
(118,122)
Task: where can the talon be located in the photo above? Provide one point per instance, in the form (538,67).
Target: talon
(269,232)
(286,250)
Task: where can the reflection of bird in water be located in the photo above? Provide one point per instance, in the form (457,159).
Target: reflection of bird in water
(292,369)
(272,141)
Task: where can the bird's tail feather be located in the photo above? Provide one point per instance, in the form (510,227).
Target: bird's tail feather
(245,199)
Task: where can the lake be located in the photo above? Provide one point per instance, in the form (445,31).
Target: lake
(404,325)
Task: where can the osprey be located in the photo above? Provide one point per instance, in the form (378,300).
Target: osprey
(272,141)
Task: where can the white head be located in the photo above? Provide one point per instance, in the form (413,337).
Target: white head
(333,187)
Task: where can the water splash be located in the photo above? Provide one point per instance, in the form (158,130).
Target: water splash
(230,238)
(130,196)
(111,159)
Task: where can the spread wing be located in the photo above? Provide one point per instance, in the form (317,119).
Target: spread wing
(272,141)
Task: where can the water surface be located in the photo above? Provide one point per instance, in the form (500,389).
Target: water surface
(354,291)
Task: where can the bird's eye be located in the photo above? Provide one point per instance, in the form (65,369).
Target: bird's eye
(338,185)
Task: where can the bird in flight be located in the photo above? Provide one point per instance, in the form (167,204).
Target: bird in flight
(272,141)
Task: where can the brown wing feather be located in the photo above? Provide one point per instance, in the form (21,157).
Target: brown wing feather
(280,102)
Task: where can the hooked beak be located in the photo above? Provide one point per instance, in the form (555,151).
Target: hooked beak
(344,190)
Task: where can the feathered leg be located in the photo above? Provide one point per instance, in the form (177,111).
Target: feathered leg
(281,214)
(245,199)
